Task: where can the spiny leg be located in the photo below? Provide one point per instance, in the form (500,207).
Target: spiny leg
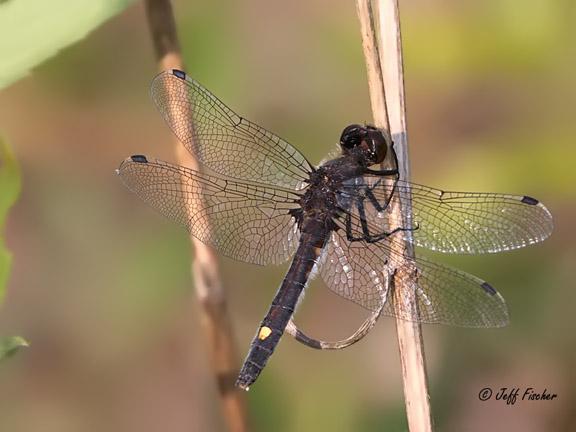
(367,237)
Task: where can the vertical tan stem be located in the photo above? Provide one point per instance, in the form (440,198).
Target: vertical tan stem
(205,267)
(373,66)
(386,82)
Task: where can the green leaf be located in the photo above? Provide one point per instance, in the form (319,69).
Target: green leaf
(10,345)
(9,190)
(31,31)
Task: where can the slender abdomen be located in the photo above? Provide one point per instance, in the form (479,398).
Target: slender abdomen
(312,240)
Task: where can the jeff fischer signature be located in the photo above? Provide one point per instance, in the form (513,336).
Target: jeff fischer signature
(512,395)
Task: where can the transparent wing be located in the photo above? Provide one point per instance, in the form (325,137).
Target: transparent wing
(222,140)
(245,221)
(455,222)
(357,271)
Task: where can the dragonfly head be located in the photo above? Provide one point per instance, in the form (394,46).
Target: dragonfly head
(367,141)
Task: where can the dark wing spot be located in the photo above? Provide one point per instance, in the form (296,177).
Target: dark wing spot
(139,159)
(179,74)
(489,288)
(529,200)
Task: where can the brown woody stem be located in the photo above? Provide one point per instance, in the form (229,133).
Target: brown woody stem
(205,266)
(383,57)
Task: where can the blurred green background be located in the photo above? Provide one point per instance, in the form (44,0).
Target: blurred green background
(101,286)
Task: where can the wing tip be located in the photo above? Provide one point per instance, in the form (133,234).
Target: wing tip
(489,288)
(138,158)
(162,76)
(547,222)
(179,74)
(529,200)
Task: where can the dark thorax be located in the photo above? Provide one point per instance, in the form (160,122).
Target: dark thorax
(320,200)
(362,147)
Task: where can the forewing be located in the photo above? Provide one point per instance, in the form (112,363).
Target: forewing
(245,221)
(463,222)
(222,140)
(423,291)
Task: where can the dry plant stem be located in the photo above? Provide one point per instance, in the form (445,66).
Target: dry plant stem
(410,342)
(384,64)
(205,267)
(373,67)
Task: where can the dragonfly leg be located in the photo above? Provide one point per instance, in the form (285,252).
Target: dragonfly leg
(365,230)
(386,172)
(349,234)
(377,238)
(374,201)
(372,198)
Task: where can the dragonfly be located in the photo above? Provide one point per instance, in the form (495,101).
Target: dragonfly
(258,200)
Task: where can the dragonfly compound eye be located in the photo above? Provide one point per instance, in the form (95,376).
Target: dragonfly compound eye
(377,146)
(352,136)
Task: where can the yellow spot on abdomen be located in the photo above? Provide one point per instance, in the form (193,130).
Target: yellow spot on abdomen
(264,332)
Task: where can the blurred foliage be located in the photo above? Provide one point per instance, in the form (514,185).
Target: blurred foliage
(490,37)
(9,190)
(270,407)
(35,30)
(372,418)
(10,346)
